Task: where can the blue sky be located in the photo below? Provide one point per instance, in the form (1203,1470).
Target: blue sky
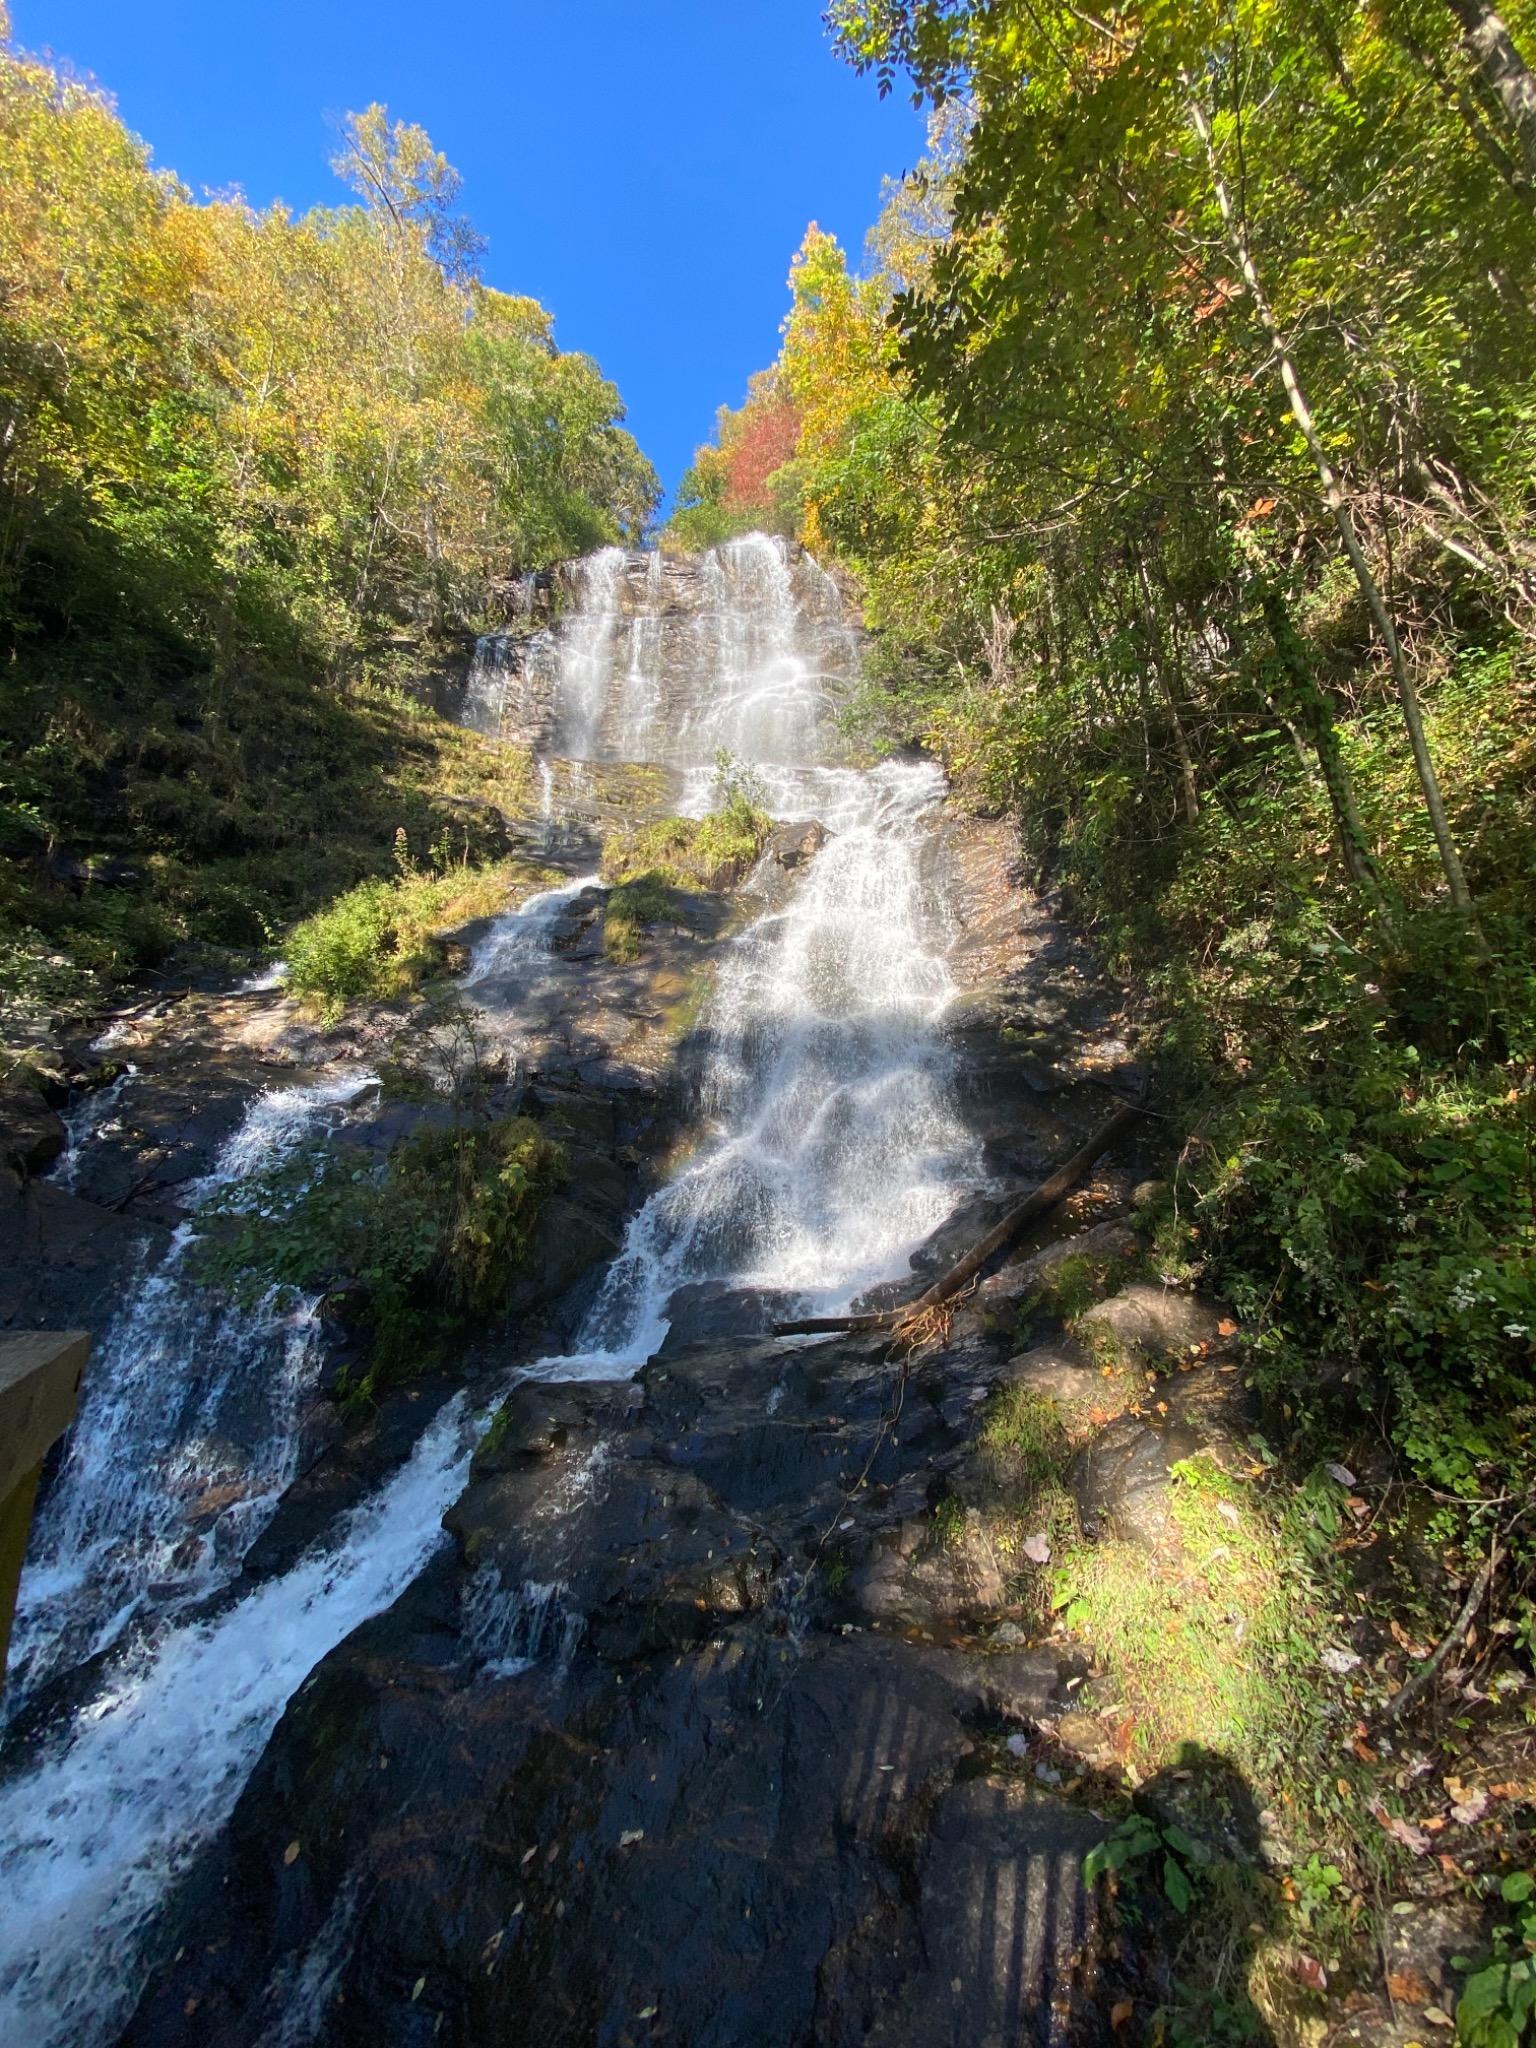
(646,168)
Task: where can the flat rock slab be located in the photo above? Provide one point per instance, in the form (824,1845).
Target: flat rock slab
(1004,1916)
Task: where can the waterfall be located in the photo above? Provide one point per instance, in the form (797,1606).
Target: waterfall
(511,948)
(832,1147)
(86,1120)
(507,1630)
(485,687)
(187,1432)
(188,1429)
(640,701)
(835,1147)
(585,660)
(658,660)
(92,1840)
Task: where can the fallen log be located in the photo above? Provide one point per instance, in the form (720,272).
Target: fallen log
(1034,1204)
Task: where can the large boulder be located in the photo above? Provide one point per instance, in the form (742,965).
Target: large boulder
(1154,1323)
(31,1134)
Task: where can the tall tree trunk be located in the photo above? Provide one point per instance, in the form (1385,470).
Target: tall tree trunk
(1343,519)
(1502,69)
(1457,93)
(1189,788)
(1309,703)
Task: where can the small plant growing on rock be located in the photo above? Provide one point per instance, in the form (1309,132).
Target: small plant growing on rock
(632,907)
(712,852)
(1497,2007)
(1140,1840)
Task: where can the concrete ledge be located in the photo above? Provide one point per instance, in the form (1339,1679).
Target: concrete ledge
(40,1374)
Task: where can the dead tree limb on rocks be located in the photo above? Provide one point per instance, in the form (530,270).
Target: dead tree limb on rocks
(1034,1204)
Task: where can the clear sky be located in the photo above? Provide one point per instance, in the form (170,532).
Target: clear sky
(646,168)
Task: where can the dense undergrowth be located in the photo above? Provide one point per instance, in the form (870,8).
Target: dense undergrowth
(1350,1085)
(196,844)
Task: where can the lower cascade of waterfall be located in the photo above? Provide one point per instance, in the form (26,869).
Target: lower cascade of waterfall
(97,1833)
(187,1433)
(830,1149)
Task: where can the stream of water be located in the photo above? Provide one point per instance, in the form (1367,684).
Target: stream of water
(830,1149)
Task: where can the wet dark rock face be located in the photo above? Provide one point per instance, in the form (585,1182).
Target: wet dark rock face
(718,1809)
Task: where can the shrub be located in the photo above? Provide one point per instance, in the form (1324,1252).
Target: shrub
(712,852)
(376,942)
(432,1239)
(645,899)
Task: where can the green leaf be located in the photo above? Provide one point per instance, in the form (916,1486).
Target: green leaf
(1176,1884)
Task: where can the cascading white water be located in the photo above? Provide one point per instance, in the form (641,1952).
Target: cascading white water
(185,1441)
(187,1430)
(513,944)
(485,687)
(93,1838)
(90,1117)
(834,1147)
(585,658)
(639,704)
(507,1630)
(832,1150)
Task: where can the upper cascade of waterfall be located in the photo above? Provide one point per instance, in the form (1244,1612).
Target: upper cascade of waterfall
(672,658)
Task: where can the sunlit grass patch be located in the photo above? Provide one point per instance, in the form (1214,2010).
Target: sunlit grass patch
(1210,1641)
(376,943)
(633,905)
(1014,1508)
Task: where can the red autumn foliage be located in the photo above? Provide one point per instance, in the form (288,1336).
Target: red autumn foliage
(766,440)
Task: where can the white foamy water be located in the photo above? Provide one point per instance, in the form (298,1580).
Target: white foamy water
(265,981)
(92,1839)
(519,939)
(93,1116)
(485,688)
(833,1147)
(187,1432)
(585,652)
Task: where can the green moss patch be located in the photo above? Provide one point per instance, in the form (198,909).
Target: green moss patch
(430,1242)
